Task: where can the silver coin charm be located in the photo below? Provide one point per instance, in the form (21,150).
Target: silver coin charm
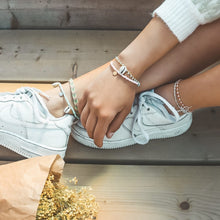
(123,69)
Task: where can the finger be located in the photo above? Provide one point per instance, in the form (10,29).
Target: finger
(100,130)
(116,123)
(90,124)
(81,103)
(84,115)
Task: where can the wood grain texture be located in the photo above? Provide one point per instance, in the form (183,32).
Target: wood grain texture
(199,145)
(37,55)
(151,192)
(50,55)
(74,14)
(156,193)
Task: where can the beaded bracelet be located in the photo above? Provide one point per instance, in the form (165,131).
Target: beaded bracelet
(122,71)
(183,108)
(74,96)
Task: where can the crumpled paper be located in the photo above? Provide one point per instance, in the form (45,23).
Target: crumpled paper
(21,185)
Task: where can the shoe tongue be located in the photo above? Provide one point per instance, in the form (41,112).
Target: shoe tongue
(158,114)
(159,106)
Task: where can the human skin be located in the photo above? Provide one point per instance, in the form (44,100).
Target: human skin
(107,100)
(198,51)
(199,91)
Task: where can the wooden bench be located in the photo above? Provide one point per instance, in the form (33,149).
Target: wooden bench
(136,189)
(133,182)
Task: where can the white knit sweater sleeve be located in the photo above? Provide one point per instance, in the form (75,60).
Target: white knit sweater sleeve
(184,16)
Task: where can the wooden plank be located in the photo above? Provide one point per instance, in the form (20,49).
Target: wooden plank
(142,192)
(74,14)
(33,55)
(86,4)
(11,87)
(42,55)
(151,192)
(199,145)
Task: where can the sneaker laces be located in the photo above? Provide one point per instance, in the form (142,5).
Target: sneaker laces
(147,99)
(34,95)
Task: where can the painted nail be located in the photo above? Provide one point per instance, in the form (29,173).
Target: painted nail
(110,135)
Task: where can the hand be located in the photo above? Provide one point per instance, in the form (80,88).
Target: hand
(105,104)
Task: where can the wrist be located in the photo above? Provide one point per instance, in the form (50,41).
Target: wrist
(132,65)
(118,80)
(119,68)
(150,45)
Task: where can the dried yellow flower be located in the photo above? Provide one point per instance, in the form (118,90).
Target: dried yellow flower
(74,180)
(58,202)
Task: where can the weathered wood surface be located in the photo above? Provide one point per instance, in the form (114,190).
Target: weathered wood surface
(40,55)
(151,192)
(199,145)
(74,14)
(50,55)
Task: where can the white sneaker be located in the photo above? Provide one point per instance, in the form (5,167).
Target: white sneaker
(27,127)
(148,119)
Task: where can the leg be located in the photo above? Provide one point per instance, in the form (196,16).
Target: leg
(199,91)
(197,52)
(155,115)
(56,104)
(186,59)
(189,57)
(151,41)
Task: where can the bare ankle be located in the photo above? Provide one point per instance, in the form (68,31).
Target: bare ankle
(55,104)
(166,92)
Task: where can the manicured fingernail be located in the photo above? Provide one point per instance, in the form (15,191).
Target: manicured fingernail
(99,145)
(110,135)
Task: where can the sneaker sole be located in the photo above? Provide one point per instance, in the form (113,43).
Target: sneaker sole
(24,146)
(160,132)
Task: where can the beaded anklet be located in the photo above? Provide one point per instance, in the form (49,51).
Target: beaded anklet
(62,94)
(182,108)
(123,72)
(74,96)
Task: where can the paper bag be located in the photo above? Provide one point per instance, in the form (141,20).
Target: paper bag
(21,185)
